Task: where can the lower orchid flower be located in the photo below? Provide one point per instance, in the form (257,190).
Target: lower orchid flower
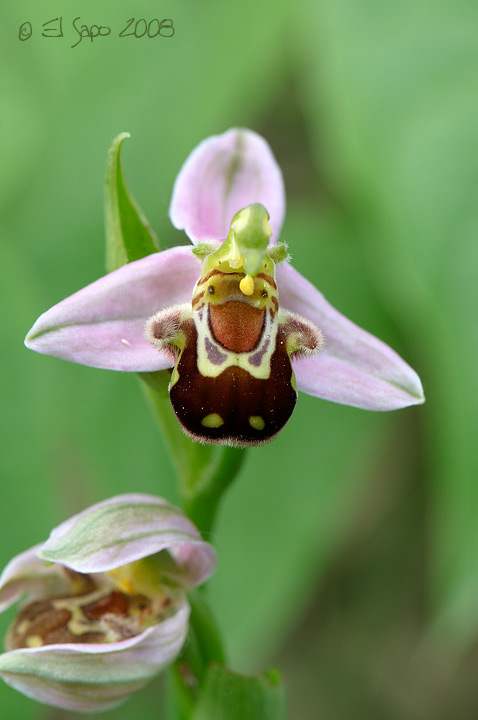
(107,607)
(242,329)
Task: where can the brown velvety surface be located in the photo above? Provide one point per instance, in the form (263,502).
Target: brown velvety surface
(237,326)
(234,395)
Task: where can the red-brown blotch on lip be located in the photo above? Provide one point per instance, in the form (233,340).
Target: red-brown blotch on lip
(234,407)
(237,326)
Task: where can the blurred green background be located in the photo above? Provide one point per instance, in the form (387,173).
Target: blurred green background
(348,547)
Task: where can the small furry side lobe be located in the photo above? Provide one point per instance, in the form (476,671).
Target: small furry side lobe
(163,329)
(303,337)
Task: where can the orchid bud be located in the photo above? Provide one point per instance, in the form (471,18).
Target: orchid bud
(106,605)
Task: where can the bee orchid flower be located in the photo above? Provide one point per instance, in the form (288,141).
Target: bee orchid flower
(106,605)
(241,327)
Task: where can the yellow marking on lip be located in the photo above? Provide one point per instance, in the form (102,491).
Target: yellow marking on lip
(257,422)
(213,420)
(34,641)
(78,624)
(23,627)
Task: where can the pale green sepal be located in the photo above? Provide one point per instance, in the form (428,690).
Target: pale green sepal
(125,529)
(129,236)
(225,695)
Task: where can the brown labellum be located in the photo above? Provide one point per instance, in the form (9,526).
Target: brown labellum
(233,382)
(235,407)
(103,615)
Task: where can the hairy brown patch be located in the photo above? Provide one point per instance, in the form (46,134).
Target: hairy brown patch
(235,395)
(237,326)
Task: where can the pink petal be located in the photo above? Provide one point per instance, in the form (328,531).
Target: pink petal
(355,368)
(91,677)
(26,573)
(126,528)
(102,325)
(220,177)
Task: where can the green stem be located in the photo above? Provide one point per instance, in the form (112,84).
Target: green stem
(205,627)
(202,504)
(204,472)
(180,700)
(188,458)
(203,647)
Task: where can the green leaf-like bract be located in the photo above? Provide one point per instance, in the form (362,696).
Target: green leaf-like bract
(129,236)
